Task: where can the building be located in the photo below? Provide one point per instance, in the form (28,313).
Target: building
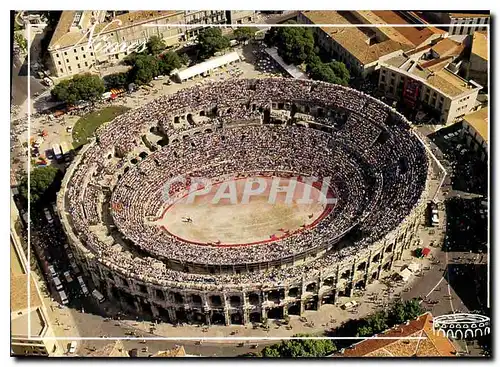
(425,78)
(432,344)
(34,341)
(475,130)
(84,41)
(207,67)
(478,61)
(362,48)
(460,23)
(240,16)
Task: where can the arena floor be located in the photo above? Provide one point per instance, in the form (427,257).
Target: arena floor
(227,223)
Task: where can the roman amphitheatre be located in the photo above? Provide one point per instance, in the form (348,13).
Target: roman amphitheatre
(222,262)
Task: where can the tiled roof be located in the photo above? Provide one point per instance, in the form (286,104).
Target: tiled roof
(431,345)
(479,120)
(446,47)
(415,35)
(480,45)
(353,39)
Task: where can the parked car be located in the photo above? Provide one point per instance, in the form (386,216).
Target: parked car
(68,277)
(52,271)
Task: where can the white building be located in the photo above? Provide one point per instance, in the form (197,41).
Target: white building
(424,79)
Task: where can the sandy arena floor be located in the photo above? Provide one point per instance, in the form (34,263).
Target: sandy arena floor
(226,223)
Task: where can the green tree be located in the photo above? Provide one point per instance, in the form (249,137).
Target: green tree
(300,348)
(155,45)
(243,34)
(333,72)
(295,44)
(85,87)
(118,80)
(210,41)
(378,322)
(413,309)
(145,69)
(397,314)
(168,62)
(44,184)
(21,41)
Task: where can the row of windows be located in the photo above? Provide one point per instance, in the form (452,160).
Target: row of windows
(69,67)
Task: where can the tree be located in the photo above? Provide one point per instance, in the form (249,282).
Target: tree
(145,69)
(333,72)
(118,80)
(85,87)
(413,309)
(378,322)
(168,62)
(155,45)
(300,348)
(295,44)
(397,314)
(44,184)
(21,41)
(244,34)
(210,41)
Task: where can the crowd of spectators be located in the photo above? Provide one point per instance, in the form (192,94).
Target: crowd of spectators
(378,171)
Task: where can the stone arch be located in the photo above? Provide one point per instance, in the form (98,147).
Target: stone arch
(311,287)
(450,334)
(236,318)
(275,313)
(255,317)
(294,309)
(178,298)
(143,155)
(329,281)
(361,266)
(457,332)
(235,301)
(216,300)
(217,318)
(254,299)
(469,333)
(196,299)
(134,161)
(294,292)
(478,332)
(360,284)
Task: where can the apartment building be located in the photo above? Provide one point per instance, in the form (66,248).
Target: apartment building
(460,23)
(475,131)
(363,48)
(240,16)
(83,41)
(424,79)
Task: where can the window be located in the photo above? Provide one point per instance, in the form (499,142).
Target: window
(61,70)
(76,57)
(57,55)
(65,53)
(84,56)
(91,54)
(79,67)
(74,50)
(69,68)
(59,63)
(86,64)
(67,60)
(82,48)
